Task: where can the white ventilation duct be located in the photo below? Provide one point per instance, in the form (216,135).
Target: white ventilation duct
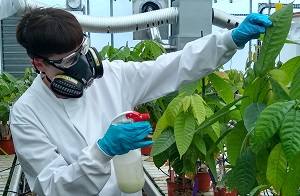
(130,23)
(116,24)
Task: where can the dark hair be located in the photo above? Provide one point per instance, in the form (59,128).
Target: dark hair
(47,31)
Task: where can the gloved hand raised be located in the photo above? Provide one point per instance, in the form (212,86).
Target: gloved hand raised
(251,28)
(120,139)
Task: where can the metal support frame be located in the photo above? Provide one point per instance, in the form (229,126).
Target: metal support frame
(262,6)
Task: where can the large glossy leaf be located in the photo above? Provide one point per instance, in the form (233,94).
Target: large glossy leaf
(277,168)
(190,162)
(183,130)
(257,189)
(163,142)
(222,87)
(251,114)
(161,125)
(270,120)
(214,130)
(189,88)
(290,68)
(292,182)
(216,143)
(295,87)
(175,161)
(198,108)
(173,109)
(278,75)
(210,161)
(290,134)
(261,167)
(279,90)
(245,172)
(200,143)
(186,102)
(160,159)
(256,92)
(274,39)
(216,116)
(262,160)
(234,141)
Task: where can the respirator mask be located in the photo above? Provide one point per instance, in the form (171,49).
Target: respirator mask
(80,69)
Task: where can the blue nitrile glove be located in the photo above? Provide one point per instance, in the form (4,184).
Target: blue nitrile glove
(251,28)
(120,139)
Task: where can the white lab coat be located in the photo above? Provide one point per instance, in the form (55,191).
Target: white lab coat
(56,139)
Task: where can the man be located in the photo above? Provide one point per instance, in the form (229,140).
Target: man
(62,133)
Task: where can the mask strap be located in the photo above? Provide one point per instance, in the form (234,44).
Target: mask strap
(48,78)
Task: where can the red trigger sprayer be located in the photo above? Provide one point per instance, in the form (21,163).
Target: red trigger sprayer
(130,117)
(129,166)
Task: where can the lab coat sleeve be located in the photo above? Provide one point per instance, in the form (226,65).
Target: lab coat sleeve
(150,80)
(46,170)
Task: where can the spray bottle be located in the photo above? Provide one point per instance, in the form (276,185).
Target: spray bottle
(129,166)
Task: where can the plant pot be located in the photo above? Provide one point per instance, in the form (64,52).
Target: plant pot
(184,192)
(7,146)
(203,181)
(146,150)
(224,192)
(172,186)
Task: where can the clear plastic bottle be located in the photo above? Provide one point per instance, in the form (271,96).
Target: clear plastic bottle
(129,171)
(129,167)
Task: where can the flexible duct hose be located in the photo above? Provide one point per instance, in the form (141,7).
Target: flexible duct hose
(130,23)
(135,22)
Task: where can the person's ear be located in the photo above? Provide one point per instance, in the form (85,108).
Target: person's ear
(38,64)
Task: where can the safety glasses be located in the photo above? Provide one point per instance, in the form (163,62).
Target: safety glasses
(72,58)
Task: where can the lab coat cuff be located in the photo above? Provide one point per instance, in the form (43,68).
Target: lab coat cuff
(228,41)
(100,153)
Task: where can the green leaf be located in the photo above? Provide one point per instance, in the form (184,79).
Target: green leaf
(200,143)
(277,168)
(183,131)
(262,160)
(175,161)
(256,92)
(234,142)
(104,51)
(251,114)
(290,68)
(162,143)
(10,78)
(198,108)
(222,87)
(160,159)
(255,191)
(274,39)
(216,116)
(189,89)
(173,109)
(245,172)
(279,90)
(210,161)
(292,182)
(186,103)
(161,125)
(191,157)
(215,144)
(295,87)
(290,134)
(278,75)
(270,120)
(126,51)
